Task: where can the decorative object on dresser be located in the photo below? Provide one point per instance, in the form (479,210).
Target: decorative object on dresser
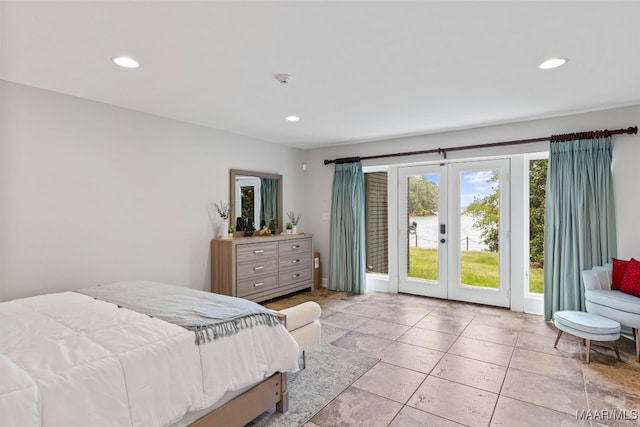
(221,225)
(293,220)
(261,268)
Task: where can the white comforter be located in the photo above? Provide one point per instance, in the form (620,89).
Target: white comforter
(69,360)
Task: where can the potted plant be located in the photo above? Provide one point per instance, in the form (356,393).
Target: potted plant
(293,219)
(224,212)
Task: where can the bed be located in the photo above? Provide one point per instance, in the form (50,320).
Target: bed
(70,359)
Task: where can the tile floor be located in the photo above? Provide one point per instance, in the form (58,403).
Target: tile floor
(447,363)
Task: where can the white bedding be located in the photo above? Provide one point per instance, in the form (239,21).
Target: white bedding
(69,360)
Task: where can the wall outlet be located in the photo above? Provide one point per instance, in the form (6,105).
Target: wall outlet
(326,216)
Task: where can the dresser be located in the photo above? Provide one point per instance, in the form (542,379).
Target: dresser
(261,268)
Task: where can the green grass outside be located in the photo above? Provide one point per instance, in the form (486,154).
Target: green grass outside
(479,268)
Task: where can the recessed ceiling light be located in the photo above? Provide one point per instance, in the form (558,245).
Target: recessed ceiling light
(126,62)
(292,118)
(553,63)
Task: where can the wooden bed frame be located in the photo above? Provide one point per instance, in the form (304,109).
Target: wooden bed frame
(250,404)
(253,402)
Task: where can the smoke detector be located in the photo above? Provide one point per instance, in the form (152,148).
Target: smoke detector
(283,78)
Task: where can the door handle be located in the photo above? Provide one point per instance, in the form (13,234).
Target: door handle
(443,229)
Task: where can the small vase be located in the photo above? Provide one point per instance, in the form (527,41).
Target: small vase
(294,229)
(223,229)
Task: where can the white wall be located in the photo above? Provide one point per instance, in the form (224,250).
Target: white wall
(625,165)
(91,193)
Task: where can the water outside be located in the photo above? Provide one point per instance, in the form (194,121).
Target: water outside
(427,233)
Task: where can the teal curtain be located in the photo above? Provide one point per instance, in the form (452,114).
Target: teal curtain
(268,200)
(579,223)
(347,268)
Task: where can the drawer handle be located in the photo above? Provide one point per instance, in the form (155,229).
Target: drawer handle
(295,276)
(260,267)
(257,285)
(295,246)
(295,261)
(258,251)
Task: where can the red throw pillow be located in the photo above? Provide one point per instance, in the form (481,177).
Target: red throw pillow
(619,267)
(631,281)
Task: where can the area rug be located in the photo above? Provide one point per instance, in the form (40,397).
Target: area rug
(329,371)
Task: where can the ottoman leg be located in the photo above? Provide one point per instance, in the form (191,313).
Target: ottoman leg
(555,345)
(588,351)
(615,347)
(636,333)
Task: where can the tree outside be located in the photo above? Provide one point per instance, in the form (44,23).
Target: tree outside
(537,193)
(486,212)
(423,196)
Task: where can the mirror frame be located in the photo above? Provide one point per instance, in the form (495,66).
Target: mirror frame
(232,193)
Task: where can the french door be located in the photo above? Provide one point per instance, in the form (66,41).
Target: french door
(454,231)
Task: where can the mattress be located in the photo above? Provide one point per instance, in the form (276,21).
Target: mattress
(67,359)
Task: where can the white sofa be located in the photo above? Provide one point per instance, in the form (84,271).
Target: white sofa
(303,323)
(612,304)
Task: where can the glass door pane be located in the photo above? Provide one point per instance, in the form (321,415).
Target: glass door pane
(423,223)
(422,248)
(480,227)
(479,235)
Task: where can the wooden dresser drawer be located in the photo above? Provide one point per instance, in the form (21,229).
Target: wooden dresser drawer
(294,276)
(261,267)
(296,261)
(257,284)
(256,251)
(294,246)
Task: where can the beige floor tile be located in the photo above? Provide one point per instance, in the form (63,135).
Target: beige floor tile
(499,321)
(356,407)
(453,401)
(474,373)
(382,329)
(551,393)
(390,381)
(491,334)
(568,346)
(364,309)
(411,357)
(335,304)
(537,324)
(552,366)
(511,412)
(342,320)
(613,386)
(542,386)
(485,351)
(408,318)
(411,417)
(428,339)
(367,344)
(458,313)
(331,333)
(443,324)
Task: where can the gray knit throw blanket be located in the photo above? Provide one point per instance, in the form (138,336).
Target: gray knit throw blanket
(210,316)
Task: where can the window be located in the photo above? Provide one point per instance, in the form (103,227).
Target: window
(376,222)
(537,190)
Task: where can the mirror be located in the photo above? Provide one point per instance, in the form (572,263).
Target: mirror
(256,199)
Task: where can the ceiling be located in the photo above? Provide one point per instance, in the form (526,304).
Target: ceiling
(360,70)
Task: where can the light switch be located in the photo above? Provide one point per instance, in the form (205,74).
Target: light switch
(326,216)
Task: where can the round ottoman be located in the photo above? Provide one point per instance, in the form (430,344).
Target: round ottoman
(588,327)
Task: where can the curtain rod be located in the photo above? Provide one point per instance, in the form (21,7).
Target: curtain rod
(632,130)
